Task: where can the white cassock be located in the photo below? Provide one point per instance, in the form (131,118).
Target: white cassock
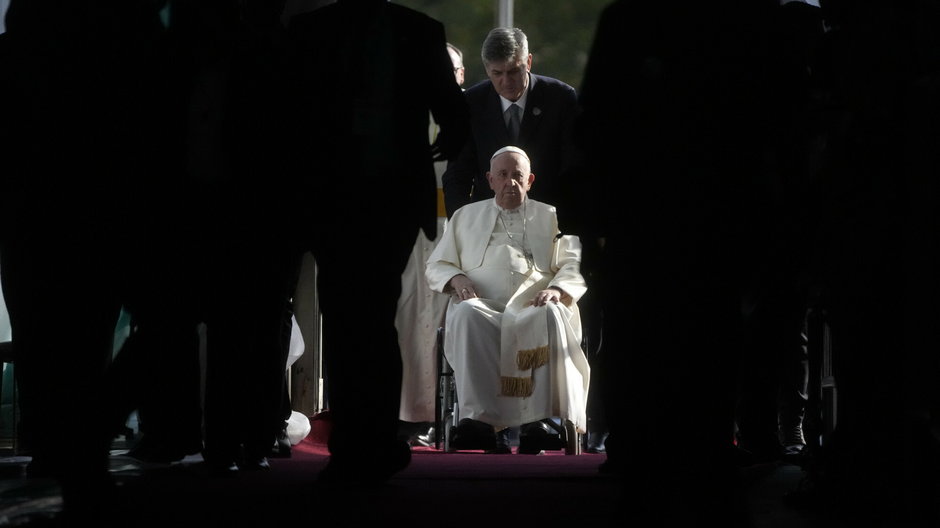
(420,313)
(513,363)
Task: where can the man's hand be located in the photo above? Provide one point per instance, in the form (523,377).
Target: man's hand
(546,296)
(462,287)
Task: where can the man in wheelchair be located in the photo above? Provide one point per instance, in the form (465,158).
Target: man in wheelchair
(512,331)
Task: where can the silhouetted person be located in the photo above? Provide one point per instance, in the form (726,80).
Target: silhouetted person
(775,361)
(157,371)
(253,256)
(420,312)
(217,247)
(77,146)
(672,117)
(879,262)
(369,72)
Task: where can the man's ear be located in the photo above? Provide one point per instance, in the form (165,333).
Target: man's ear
(528,63)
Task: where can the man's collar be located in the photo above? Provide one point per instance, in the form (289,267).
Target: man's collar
(522,100)
(504,210)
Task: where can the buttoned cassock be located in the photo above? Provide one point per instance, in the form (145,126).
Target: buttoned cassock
(494,342)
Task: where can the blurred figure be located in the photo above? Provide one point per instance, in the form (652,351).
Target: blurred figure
(222,257)
(879,265)
(253,257)
(157,372)
(420,312)
(672,101)
(82,121)
(774,371)
(368,72)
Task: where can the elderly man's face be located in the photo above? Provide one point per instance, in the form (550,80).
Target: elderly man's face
(510,178)
(510,78)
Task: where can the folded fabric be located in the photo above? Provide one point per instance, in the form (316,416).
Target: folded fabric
(525,347)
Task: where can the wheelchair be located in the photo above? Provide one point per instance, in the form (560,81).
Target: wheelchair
(447,414)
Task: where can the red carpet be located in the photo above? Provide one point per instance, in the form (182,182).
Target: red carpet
(453,489)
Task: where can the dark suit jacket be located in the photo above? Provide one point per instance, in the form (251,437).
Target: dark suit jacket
(371,73)
(545,135)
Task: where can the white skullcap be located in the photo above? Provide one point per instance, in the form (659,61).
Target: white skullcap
(510,148)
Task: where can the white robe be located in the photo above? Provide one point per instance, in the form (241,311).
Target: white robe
(420,313)
(483,337)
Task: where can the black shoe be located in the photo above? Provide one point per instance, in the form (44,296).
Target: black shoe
(423,439)
(594,442)
(417,434)
(255,464)
(221,461)
(503,446)
(155,452)
(473,434)
(537,437)
(222,469)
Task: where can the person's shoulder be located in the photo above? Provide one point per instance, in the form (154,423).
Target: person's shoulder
(465,213)
(413,15)
(480,90)
(402,10)
(553,92)
(473,208)
(551,83)
(540,207)
(480,96)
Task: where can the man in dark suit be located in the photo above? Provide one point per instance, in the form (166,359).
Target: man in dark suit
(548,107)
(674,105)
(82,118)
(368,72)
